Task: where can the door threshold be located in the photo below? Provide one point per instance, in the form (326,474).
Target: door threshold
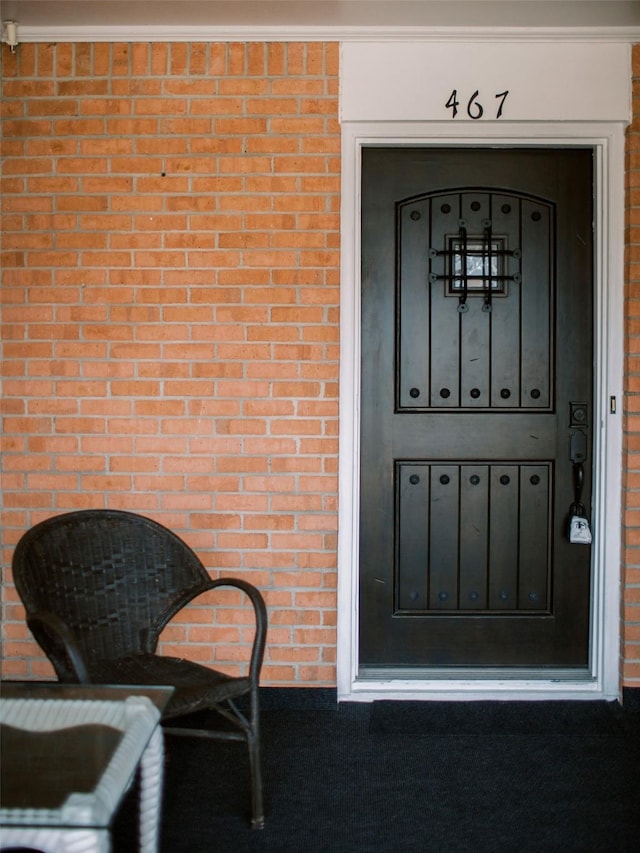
(469,685)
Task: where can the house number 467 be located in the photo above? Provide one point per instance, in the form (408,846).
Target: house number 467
(475,110)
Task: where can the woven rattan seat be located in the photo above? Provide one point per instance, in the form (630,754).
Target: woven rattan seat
(99,586)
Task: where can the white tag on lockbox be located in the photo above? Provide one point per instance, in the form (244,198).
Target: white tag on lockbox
(579,532)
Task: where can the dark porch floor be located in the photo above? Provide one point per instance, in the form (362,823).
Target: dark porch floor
(552,777)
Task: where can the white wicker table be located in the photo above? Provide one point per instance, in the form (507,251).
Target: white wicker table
(69,754)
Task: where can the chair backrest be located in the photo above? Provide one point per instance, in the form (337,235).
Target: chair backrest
(114,578)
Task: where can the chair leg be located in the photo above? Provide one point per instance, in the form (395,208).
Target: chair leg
(257,805)
(253,742)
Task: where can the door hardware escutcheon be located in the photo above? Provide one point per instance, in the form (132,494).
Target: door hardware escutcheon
(578,447)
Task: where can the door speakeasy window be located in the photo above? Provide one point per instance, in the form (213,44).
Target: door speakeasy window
(476,264)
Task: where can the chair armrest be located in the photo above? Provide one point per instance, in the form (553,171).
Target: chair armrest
(260,612)
(58,642)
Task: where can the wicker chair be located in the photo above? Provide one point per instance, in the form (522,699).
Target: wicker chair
(100,585)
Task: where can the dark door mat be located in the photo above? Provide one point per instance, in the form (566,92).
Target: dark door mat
(503,718)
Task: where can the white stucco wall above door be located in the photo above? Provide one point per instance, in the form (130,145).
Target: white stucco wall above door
(509,95)
(558,81)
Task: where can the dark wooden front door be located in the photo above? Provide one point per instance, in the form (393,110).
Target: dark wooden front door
(477,364)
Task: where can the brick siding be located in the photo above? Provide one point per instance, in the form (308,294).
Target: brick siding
(630,646)
(171,289)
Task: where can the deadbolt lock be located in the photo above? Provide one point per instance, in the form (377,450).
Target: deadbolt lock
(578,415)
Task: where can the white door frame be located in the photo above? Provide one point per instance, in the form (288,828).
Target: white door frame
(607,141)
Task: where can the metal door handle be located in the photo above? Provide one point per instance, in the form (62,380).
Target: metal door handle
(578,482)
(578,455)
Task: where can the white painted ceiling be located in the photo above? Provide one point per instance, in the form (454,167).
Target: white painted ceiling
(39,19)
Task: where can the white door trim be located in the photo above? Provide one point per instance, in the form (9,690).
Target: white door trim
(607,141)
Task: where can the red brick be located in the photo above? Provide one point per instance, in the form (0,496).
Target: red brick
(188,287)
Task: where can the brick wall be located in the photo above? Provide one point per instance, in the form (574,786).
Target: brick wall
(630,651)
(170,288)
